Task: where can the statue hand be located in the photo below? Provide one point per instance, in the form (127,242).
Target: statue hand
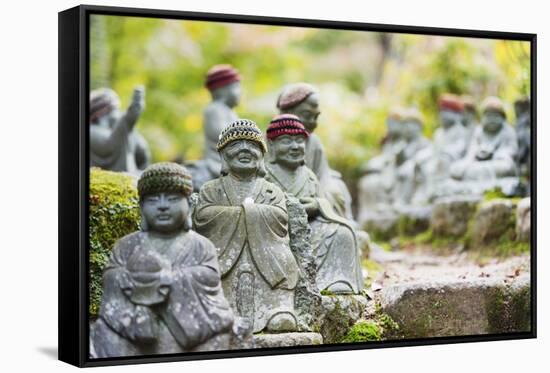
(125,283)
(138,99)
(311,205)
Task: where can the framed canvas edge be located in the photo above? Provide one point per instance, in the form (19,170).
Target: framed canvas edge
(73,80)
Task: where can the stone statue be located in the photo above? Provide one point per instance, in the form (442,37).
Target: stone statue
(522,108)
(375,188)
(161,287)
(410,184)
(223,82)
(246,218)
(470,117)
(491,158)
(302,100)
(115,144)
(333,239)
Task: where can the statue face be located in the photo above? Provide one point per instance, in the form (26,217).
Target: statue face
(469,117)
(230,94)
(492,121)
(289,150)
(165,212)
(449,118)
(308,111)
(394,127)
(242,156)
(411,130)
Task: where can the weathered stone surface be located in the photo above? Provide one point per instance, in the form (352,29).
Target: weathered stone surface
(495,220)
(381,227)
(414,220)
(464,307)
(450,215)
(339,314)
(523,220)
(287,340)
(364,243)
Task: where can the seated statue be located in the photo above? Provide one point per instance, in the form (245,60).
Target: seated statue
(333,240)
(161,287)
(115,144)
(522,108)
(409,186)
(223,82)
(245,217)
(302,100)
(470,117)
(375,188)
(491,158)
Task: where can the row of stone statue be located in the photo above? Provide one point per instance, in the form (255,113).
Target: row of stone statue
(465,157)
(205,279)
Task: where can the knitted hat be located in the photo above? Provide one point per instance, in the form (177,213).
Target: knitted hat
(221,75)
(293,94)
(165,177)
(285,124)
(102,102)
(241,129)
(451,102)
(493,103)
(412,115)
(395,113)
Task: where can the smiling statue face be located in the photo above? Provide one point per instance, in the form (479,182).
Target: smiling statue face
(289,150)
(165,212)
(308,111)
(492,121)
(242,156)
(449,118)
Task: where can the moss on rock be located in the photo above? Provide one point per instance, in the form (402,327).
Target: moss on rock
(363,331)
(114,213)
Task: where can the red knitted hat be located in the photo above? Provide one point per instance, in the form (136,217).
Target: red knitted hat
(285,124)
(451,102)
(221,75)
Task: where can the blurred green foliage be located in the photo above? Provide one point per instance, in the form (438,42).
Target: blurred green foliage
(361,75)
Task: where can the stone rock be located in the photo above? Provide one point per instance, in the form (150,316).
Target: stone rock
(287,340)
(364,243)
(494,221)
(339,314)
(469,307)
(450,215)
(381,227)
(414,220)
(523,220)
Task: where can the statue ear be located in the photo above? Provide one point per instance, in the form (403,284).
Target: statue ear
(143,223)
(261,169)
(225,167)
(270,155)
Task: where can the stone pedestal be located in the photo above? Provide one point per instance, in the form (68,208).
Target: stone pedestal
(494,221)
(381,227)
(414,220)
(287,340)
(339,313)
(523,220)
(450,215)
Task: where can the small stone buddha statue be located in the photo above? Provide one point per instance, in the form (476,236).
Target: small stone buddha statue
(245,217)
(115,144)
(223,82)
(522,108)
(332,237)
(490,160)
(471,117)
(161,287)
(302,100)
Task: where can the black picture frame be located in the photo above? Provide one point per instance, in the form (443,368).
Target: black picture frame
(73,75)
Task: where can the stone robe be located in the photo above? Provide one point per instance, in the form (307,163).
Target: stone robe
(337,257)
(191,314)
(259,271)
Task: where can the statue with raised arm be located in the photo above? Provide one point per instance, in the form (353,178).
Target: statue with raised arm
(302,100)
(491,158)
(333,239)
(223,82)
(162,289)
(115,144)
(245,217)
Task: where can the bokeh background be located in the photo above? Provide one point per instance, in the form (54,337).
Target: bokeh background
(361,76)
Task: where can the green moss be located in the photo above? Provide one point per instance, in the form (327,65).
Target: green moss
(114,213)
(509,311)
(363,331)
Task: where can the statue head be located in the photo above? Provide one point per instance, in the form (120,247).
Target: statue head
(451,110)
(104,105)
(223,82)
(286,140)
(522,106)
(394,123)
(302,100)
(493,115)
(164,189)
(242,148)
(470,110)
(412,124)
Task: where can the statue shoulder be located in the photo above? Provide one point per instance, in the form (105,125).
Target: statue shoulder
(124,246)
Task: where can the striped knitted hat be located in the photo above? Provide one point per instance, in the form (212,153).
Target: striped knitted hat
(493,103)
(241,129)
(285,124)
(102,102)
(451,102)
(165,177)
(221,75)
(293,94)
